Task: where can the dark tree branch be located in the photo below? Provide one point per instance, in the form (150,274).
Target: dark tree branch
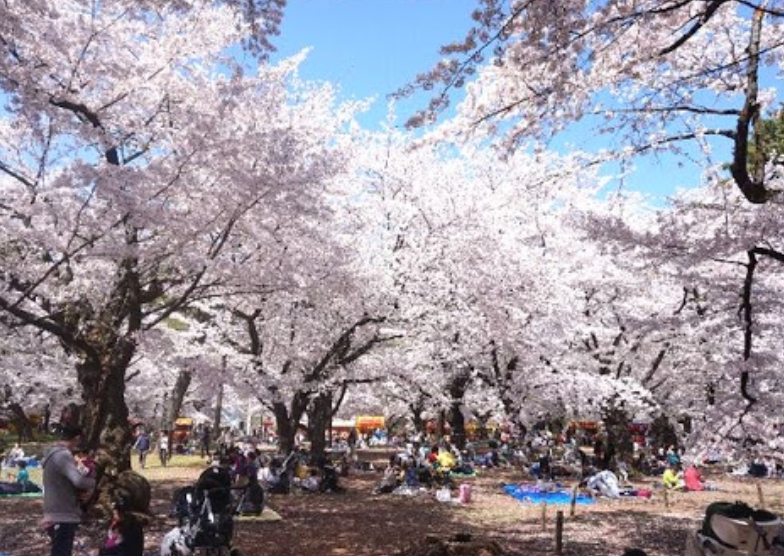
(752,187)
(710,10)
(746,311)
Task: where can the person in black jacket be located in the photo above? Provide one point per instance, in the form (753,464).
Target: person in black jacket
(126,533)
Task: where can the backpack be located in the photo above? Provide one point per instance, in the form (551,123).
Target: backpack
(738,526)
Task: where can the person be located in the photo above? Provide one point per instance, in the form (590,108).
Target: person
(64,488)
(23,476)
(205,442)
(253,465)
(21,482)
(225,441)
(163,447)
(252,501)
(142,444)
(15,454)
(126,535)
(432,457)
(85,461)
(670,479)
(352,444)
(545,470)
(446,460)
(672,456)
(605,483)
(692,479)
(9,462)
(391,478)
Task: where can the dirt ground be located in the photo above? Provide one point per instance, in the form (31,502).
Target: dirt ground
(357,523)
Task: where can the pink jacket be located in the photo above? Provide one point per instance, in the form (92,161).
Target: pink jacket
(693,479)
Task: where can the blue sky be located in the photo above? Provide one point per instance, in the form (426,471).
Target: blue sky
(370,48)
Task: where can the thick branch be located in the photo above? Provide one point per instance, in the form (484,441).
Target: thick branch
(753,188)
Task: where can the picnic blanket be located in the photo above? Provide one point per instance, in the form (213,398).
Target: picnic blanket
(21,495)
(534,494)
(268,514)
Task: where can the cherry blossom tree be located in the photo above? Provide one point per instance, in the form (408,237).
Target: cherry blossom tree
(721,336)
(139,165)
(649,75)
(487,275)
(35,379)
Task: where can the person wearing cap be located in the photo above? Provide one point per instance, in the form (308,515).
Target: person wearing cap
(64,487)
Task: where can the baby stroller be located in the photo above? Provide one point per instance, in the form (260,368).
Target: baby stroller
(205,513)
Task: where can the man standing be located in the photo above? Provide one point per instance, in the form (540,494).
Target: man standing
(143,445)
(205,441)
(163,447)
(64,487)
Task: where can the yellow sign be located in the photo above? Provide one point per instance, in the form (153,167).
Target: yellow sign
(367,423)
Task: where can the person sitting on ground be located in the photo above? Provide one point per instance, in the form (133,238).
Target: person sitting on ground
(20,483)
(545,468)
(432,457)
(672,457)
(671,479)
(446,460)
(23,478)
(311,483)
(253,497)
(392,478)
(14,455)
(692,479)
(604,483)
(264,473)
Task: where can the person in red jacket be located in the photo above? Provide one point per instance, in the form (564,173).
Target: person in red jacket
(693,478)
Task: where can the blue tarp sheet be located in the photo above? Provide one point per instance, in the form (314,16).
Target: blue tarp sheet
(534,495)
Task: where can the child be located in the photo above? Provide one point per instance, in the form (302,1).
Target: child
(85,462)
(23,476)
(125,536)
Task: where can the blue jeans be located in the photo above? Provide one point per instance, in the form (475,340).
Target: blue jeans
(62,536)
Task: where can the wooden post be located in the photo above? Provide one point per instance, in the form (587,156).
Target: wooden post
(544,516)
(666,498)
(759,495)
(573,502)
(559,520)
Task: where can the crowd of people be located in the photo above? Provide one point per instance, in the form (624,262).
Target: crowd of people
(418,464)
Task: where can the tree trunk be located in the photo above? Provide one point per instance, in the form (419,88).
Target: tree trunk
(218,410)
(458,386)
(24,428)
(457,424)
(287,422)
(319,417)
(417,408)
(178,394)
(285,430)
(105,414)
